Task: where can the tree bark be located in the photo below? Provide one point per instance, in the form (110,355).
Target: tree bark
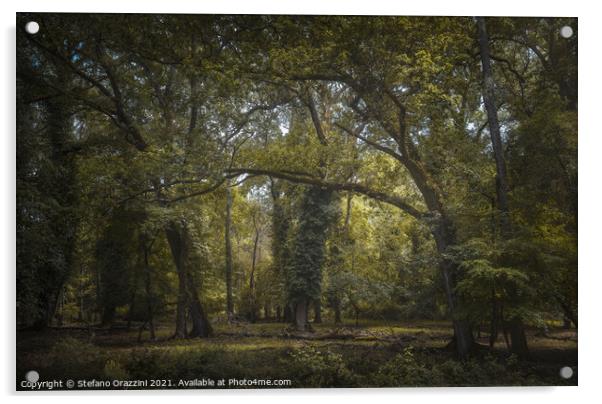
(337,312)
(289,315)
(228,242)
(176,246)
(317,312)
(493,330)
(180,245)
(148,289)
(252,292)
(517,329)
(494,127)
(301,315)
(278,314)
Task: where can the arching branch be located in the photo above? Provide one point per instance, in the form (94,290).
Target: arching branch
(335,186)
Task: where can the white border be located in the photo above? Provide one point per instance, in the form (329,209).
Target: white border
(590,144)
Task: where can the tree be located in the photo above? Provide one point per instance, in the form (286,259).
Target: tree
(517,332)
(308,251)
(228,247)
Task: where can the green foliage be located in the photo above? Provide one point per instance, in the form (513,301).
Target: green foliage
(129,124)
(317,212)
(320,367)
(409,369)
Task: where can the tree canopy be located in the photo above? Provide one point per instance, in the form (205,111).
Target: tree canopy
(208,166)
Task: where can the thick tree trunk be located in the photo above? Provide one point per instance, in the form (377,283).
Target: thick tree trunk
(179,242)
(60,192)
(301,315)
(518,338)
(200,323)
(228,242)
(108,315)
(317,312)
(289,315)
(517,334)
(181,330)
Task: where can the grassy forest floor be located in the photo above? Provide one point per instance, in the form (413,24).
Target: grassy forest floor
(370,355)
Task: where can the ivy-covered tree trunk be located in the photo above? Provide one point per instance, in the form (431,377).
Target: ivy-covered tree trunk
(301,322)
(46,200)
(62,190)
(305,271)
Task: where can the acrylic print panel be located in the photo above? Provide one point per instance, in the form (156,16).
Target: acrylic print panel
(236,201)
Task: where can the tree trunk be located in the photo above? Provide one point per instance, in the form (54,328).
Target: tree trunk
(278,314)
(80,295)
(148,289)
(518,338)
(181,329)
(493,331)
(228,241)
(317,312)
(200,323)
(108,315)
(444,235)
(59,185)
(517,334)
(494,127)
(337,312)
(289,316)
(301,315)
(179,242)
(132,307)
(252,296)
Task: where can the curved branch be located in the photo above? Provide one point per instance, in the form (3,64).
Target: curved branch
(335,186)
(372,143)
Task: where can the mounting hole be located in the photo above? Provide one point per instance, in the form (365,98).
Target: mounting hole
(566,372)
(32,376)
(32,27)
(566,32)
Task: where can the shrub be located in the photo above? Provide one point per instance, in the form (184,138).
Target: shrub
(315,367)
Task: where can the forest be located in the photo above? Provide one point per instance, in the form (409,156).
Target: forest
(337,201)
